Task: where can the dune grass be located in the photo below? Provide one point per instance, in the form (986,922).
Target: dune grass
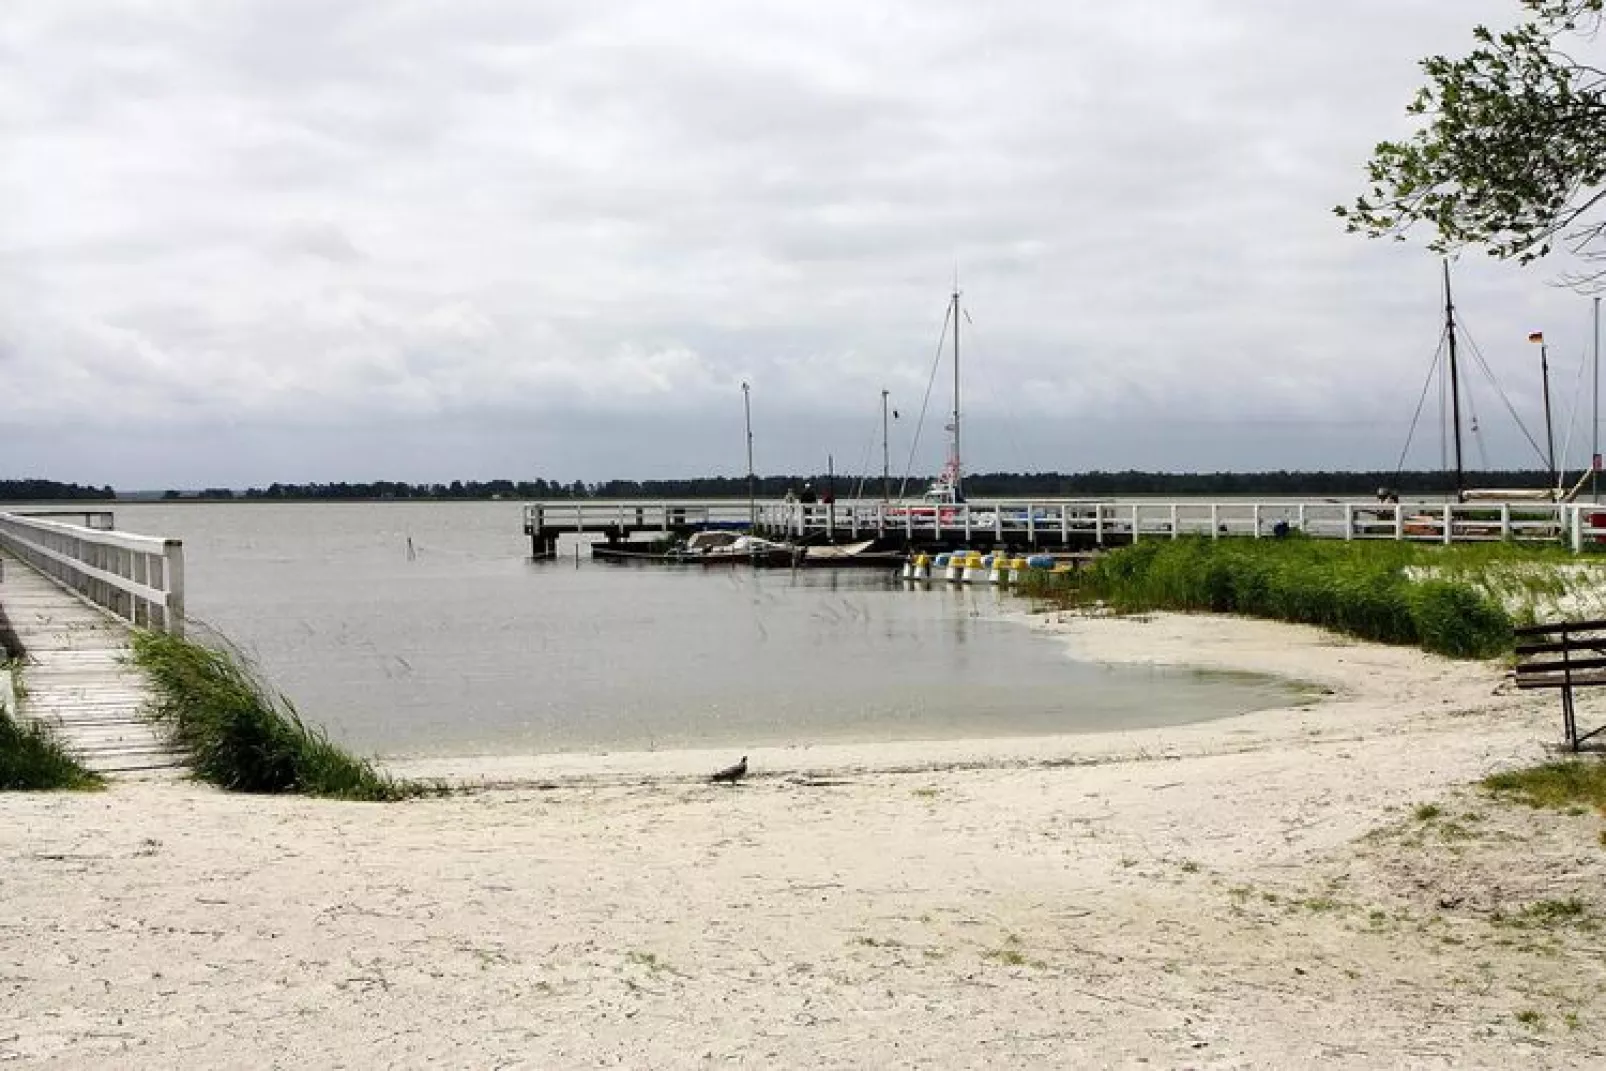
(33,760)
(1383,591)
(240,734)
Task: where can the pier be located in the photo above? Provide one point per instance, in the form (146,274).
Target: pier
(70,595)
(1060,525)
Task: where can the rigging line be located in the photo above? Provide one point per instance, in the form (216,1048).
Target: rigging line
(1420,402)
(1477,355)
(864,460)
(1000,402)
(1572,417)
(925,401)
(1477,430)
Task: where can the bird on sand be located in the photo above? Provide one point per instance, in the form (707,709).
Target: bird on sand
(732,773)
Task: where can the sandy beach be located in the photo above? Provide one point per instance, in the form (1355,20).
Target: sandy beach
(1261,891)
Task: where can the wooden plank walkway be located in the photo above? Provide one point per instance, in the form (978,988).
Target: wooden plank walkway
(76,676)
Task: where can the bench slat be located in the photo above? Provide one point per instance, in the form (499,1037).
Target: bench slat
(1573,665)
(1559,682)
(1583,643)
(1570,626)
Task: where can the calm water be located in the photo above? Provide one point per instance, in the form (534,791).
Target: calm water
(468,647)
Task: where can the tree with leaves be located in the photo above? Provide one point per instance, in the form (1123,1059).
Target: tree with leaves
(1513,154)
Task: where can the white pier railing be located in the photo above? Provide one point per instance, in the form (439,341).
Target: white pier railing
(633,516)
(138,578)
(1032,523)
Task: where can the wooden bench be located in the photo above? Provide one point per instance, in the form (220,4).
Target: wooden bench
(1564,655)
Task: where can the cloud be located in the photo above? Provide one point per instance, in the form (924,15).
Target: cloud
(375,231)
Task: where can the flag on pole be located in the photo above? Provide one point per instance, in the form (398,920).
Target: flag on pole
(1536,336)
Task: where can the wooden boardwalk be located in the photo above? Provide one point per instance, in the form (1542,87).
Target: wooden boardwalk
(76,676)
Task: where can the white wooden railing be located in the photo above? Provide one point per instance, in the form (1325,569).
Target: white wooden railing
(138,578)
(579,516)
(1101,522)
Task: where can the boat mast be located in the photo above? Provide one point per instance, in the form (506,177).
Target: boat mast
(1455,384)
(1550,435)
(752,494)
(886,456)
(953,459)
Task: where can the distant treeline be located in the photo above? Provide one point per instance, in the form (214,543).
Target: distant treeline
(977,485)
(49,490)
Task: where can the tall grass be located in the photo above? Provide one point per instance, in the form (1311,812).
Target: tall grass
(242,735)
(33,760)
(1375,591)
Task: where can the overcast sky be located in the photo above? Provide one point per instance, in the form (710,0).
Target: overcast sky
(300,240)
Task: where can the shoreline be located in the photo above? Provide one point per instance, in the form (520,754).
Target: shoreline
(1268,890)
(1351,680)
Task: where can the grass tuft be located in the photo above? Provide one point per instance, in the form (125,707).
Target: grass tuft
(241,735)
(1555,912)
(1556,785)
(32,759)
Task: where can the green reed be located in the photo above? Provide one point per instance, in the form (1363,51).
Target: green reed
(240,734)
(1383,591)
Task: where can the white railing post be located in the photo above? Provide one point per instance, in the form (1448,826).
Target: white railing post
(173,572)
(1505,522)
(1256,519)
(1215,520)
(1349,521)
(1578,529)
(1175,532)
(1449,523)
(1135,522)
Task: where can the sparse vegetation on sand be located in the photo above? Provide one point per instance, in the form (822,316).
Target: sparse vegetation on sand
(240,734)
(32,759)
(1556,785)
(1384,591)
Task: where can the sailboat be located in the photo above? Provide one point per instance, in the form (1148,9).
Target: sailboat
(1554,492)
(948,489)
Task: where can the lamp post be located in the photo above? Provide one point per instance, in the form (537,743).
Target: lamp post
(752,498)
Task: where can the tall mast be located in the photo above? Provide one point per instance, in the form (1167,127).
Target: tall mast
(1455,383)
(886,456)
(1550,435)
(953,461)
(752,494)
(1594,459)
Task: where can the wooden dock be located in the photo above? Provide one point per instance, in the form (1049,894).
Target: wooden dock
(76,676)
